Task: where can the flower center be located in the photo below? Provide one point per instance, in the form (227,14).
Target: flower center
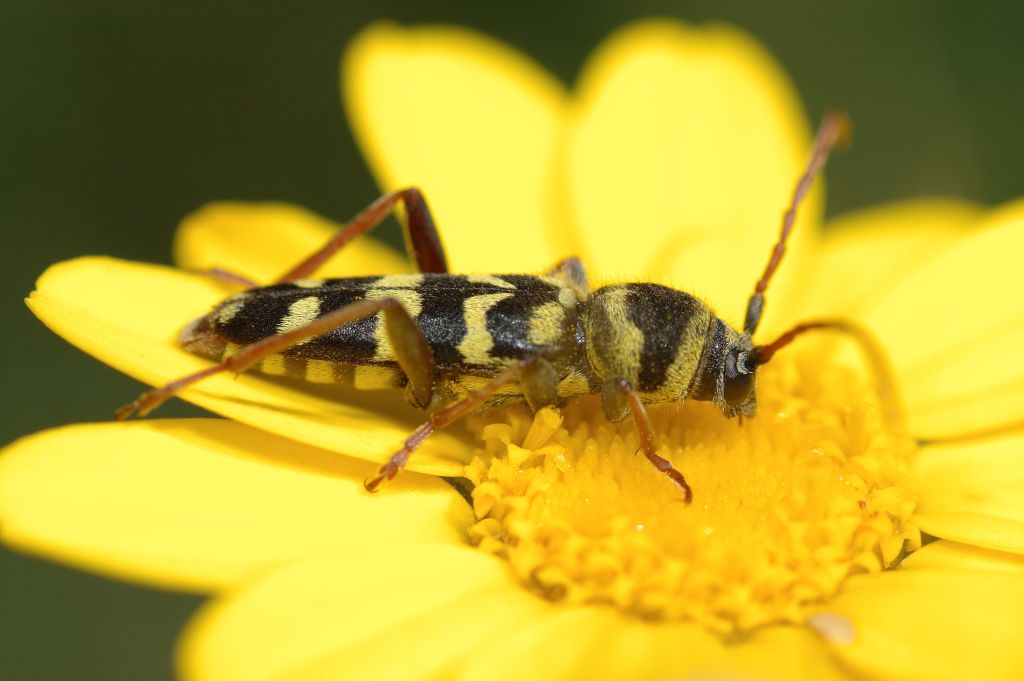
(786,505)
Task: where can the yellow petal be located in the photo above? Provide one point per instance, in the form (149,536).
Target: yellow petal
(972,492)
(471,122)
(128,315)
(594,643)
(924,625)
(893,239)
(265,240)
(954,328)
(201,503)
(782,653)
(410,612)
(599,643)
(685,147)
(636,649)
(559,642)
(945,555)
(456,611)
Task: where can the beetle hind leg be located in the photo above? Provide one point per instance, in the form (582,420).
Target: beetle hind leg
(443,417)
(410,345)
(229,277)
(421,238)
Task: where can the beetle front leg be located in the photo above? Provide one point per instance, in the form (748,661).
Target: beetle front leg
(618,398)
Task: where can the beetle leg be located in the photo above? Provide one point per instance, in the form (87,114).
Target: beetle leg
(573,274)
(443,417)
(411,350)
(421,237)
(619,396)
(539,381)
(885,381)
(228,277)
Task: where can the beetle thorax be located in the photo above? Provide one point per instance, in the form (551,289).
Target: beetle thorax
(650,335)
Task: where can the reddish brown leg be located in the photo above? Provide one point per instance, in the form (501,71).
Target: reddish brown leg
(411,350)
(620,389)
(229,277)
(440,419)
(421,238)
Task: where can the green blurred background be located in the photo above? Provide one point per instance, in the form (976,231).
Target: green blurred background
(118,118)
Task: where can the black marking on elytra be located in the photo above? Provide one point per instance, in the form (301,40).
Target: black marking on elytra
(256,319)
(508,321)
(661,314)
(441,317)
(264,308)
(355,343)
(527,282)
(338,282)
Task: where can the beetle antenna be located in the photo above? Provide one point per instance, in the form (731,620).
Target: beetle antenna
(873,352)
(762,354)
(834,130)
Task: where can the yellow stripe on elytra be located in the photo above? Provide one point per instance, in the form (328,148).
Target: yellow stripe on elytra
(229,308)
(408,298)
(476,345)
(546,324)
(491,280)
(398,281)
(307,283)
(300,313)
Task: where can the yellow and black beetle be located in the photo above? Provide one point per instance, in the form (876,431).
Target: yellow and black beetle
(457,342)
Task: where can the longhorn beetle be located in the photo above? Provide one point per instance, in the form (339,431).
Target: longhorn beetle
(457,343)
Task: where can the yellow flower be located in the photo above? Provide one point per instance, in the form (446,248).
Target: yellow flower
(670,162)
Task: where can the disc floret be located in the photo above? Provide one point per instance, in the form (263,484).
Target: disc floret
(786,505)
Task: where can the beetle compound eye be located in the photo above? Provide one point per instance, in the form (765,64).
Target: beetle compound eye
(739,380)
(738,388)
